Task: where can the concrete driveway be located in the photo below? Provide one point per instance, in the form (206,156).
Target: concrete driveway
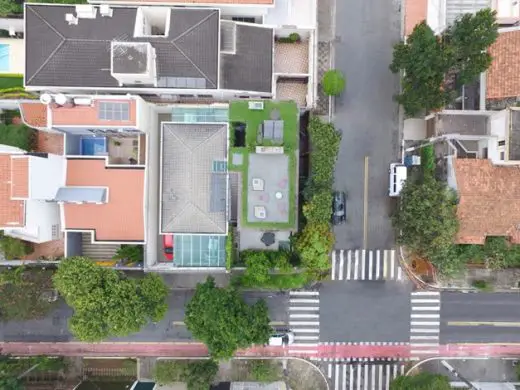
(368,116)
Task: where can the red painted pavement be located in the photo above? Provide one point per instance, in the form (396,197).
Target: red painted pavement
(338,351)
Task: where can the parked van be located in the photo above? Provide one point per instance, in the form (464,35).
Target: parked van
(398,174)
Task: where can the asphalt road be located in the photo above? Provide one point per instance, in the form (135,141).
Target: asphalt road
(365,312)
(368,117)
(480,318)
(53,328)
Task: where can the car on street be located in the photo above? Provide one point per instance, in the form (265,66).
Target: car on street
(339,212)
(168,247)
(281,338)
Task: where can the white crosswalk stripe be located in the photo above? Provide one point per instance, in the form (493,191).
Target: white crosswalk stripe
(365,265)
(425,323)
(363,376)
(304,321)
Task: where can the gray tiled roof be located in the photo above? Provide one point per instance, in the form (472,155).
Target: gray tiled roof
(464,124)
(251,67)
(193,197)
(58,54)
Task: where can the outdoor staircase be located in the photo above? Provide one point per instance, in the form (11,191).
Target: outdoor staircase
(97,251)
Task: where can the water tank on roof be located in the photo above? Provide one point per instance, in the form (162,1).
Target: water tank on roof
(46,98)
(61,99)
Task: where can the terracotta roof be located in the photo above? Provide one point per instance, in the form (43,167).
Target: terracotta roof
(122,217)
(213,1)
(34,114)
(415,12)
(20,177)
(12,212)
(89,115)
(489,201)
(503,76)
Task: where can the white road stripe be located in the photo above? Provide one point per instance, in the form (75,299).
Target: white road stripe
(303,300)
(387,377)
(402,369)
(304,308)
(341,261)
(304,293)
(385,264)
(425,301)
(426,308)
(305,330)
(423,352)
(336,377)
(358,381)
(351,377)
(424,330)
(392,264)
(422,337)
(370,264)
(426,316)
(304,316)
(306,345)
(344,381)
(363,255)
(329,371)
(302,323)
(349,264)
(399,273)
(365,379)
(333,265)
(378,263)
(380,377)
(306,337)
(425,323)
(415,293)
(373,380)
(356,264)
(394,371)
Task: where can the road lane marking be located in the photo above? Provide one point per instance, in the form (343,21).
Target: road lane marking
(429,323)
(365,206)
(336,377)
(304,293)
(385,265)
(344,381)
(329,371)
(373,380)
(304,316)
(392,264)
(358,382)
(366,378)
(424,345)
(399,273)
(424,330)
(306,337)
(312,323)
(504,324)
(341,261)
(380,376)
(426,308)
(304,308)
(415,293)
(425,301)
(306,330)
(387,377)
(370,264)
(402,369)
(426,316)
(333,265)
(351,377)
(349,264)
(417,337)
(363,256)
(303,300)
(378,263)
(356,265)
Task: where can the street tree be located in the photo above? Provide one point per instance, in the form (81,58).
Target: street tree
(426,217)
(421,381)
(313,245)
(106,302)
(221,319)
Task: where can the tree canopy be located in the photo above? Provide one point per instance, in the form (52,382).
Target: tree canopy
(221,319)
(435,66)
(421,381)
(427,218)
(106,302)
(333,82)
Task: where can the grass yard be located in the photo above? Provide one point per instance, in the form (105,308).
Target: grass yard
(11,81)
(239,112)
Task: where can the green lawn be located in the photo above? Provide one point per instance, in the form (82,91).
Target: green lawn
(239,112)
(11,81)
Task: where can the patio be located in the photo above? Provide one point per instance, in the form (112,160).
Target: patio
(123,150)
(291,58)
(292,89)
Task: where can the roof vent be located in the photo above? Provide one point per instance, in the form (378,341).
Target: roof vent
(86,11)
(46,98)
(71,19)
(106,11)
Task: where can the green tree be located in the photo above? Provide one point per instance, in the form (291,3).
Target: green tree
(258,265)
(318,208)
(333,82)
(421,381)
(314,244)
(13,248)
(467,42)
(427,220)
(424,64)
(224,322)
(9,7)
(106,302)
(130,253)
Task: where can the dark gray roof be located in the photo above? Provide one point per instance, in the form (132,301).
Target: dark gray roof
(59,54)
(514,137)
(464,124)
(251,67)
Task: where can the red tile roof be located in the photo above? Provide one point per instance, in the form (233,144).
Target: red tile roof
(34,114)
(503,76)
(122,217)
(415,12)
(489,201)
(20,177)
(89,115)
(12,212)
(250,2)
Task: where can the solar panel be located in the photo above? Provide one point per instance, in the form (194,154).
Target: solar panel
(182,82)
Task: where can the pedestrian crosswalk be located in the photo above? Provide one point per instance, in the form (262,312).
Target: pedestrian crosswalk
(363,376)
(304,321)
(425,323)
(364,264)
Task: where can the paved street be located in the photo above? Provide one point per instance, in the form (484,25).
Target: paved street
(366,311)
(374,265)
(357,376)
(480,318)
(54,327)
(368,117)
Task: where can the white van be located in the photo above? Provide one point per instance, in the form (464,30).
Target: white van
(398,173)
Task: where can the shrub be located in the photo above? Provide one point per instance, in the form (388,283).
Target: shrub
(333,82)
(314,244)
(230,250)
(264,370)
(294,37)
(19,136)
(481,285)
(130,253)
(198,375)
(318,208)
(428,160)
(13,248)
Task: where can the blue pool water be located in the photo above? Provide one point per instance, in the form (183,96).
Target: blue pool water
(93,146)
(4,57)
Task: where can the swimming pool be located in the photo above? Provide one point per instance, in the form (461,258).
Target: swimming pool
(4,57)
(93,146)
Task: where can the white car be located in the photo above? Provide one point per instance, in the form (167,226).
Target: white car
(280,339)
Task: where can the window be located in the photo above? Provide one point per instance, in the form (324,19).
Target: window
(111,111)
(502,156)
(501,143)
(243,19)
(219,166)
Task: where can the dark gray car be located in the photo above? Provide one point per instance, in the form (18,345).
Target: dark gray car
(339,208)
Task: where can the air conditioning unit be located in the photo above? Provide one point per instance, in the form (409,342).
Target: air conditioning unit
(86,11)
(256,105)
(82,101)
(71,19)
(106,11)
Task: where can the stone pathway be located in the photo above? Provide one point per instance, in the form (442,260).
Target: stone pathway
(322,104)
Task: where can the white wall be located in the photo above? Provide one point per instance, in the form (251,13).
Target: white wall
(499,124)
(46,176)
(40,216)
